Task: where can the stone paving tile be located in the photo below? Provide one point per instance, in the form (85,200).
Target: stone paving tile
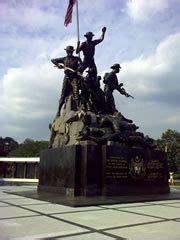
(23,201)
(4,196)
(37,227)
(89,236)
(130,221)
(51,208)
(156,231)
(124,205)
(175,205)
(3,205)
(164,202)
(105,218)
(156,210)
(13,212)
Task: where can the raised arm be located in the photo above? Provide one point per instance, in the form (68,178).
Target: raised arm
(97,41)
(103,33)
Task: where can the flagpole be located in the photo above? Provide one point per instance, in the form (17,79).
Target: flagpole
(77,19)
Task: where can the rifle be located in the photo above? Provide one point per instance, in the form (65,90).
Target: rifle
(123,91)
(61,66)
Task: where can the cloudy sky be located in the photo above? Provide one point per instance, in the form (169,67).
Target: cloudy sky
(143,36)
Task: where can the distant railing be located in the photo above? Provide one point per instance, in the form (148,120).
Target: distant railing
(19,169)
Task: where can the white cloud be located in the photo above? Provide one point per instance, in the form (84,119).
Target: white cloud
(27,91)
(154,82)
(142,10)
(28,18)
(156,77)
(29,100)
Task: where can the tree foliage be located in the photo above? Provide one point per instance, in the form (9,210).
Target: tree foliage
(170,142)
(29,148)
(7,144)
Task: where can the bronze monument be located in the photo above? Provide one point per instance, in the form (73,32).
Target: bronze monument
(94,150)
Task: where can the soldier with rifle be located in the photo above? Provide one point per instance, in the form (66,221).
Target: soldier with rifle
(70,64)
(111,84)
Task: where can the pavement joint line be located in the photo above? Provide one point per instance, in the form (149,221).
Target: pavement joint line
(4,199)
(67,235)
(170,206)
(126,207)
(93,210)
(5,206)
(146,215)
(84,233)
(164,203)
(135,225)
(32,204)
(171,203)
(8,218)
(143,214)
(177,220)
(63,220)
(24,204)
(147,205)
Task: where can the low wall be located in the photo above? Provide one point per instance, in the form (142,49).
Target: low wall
(22,170)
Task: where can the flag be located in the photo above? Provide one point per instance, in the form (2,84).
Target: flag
(68,17)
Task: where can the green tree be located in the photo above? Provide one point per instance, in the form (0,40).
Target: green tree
(170,142)
(29,148)
(7,144)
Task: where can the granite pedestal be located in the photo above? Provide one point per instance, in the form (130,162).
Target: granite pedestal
(92,170)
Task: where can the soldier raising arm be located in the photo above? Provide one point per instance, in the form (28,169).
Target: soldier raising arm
(88,49)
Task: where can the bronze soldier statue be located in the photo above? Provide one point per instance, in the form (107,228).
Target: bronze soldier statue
(92,96)
(70,82)
(88,49)
(111,84)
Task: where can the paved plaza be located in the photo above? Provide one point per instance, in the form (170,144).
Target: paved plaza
(27,218)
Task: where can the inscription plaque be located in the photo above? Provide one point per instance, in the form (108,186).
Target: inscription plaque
(157,167)
(116,165)
(116,168)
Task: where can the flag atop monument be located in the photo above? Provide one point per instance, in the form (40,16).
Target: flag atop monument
(68,17)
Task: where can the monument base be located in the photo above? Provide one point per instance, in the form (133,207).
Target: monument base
(83,201)
(93,170)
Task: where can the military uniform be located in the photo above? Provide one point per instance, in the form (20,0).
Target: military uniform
(111,83)
(70,82)
(88,49)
